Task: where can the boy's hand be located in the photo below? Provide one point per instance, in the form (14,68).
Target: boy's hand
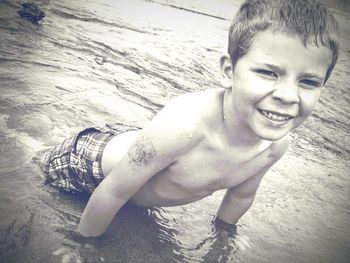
(226,230)
(77,248)
(225,242)
(68,254)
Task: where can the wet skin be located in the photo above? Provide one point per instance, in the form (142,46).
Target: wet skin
(216,139)
(272,91)
(208,164)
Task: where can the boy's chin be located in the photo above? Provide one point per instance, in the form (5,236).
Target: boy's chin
(272,135)
(276,132)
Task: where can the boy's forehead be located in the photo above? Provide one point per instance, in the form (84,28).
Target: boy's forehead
(273,46)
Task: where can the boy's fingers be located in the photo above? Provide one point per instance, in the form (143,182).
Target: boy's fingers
(244,240)
(68,255)
(239,245)
(61,250)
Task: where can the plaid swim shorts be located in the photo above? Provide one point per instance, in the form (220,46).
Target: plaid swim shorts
(74,165)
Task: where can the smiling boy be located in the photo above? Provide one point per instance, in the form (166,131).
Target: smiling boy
(281,53)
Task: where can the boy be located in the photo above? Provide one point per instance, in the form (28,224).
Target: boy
(281,53)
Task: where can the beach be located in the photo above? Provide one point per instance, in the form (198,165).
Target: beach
(94,62)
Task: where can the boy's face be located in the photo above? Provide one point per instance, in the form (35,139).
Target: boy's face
(276,84)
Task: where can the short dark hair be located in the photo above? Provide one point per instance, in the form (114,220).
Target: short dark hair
(307,19)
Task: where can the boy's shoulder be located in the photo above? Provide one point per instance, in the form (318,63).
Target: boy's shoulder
(182,123)
(198,97)
(201,105)
(191,113)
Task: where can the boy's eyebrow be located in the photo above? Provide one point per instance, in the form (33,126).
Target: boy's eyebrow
(312,75)
(272,67)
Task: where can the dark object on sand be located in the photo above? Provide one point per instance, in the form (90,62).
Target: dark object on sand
(31,12)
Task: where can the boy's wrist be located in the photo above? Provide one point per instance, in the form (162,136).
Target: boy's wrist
(77,237)
(221,225)
(80,238)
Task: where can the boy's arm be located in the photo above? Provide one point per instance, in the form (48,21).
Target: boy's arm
(157,146)
(142,161)
(239,199)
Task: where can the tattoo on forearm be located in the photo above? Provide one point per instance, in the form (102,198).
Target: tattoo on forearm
(141,152)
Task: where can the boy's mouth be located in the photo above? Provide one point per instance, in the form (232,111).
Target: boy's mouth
(274,116)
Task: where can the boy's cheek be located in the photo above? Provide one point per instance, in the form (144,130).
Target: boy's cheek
(307,106)
(309,98)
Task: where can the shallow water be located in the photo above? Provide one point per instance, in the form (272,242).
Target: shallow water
(93,62)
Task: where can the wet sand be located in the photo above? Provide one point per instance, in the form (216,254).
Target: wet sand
(93,62)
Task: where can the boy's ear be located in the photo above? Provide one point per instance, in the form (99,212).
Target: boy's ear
(226,71)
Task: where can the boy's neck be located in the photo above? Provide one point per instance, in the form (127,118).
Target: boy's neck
(239,139)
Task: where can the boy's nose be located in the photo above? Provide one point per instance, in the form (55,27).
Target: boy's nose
(286,93)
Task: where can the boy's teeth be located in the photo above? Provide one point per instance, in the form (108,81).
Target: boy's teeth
(274,116)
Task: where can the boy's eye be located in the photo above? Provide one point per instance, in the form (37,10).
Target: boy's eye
(310,83)
(266,73)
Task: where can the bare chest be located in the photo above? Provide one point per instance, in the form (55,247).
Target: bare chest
(207,169)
